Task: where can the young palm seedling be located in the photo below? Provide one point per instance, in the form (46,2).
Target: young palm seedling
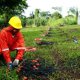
(34,69)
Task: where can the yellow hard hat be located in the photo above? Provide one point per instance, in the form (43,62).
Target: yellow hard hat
(15,22)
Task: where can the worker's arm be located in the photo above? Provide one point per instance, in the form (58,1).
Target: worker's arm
(20,47)
(6,55)
(4,46)
(4,49)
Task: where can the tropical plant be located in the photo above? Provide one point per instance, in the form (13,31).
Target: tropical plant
(56,15)
(12,7)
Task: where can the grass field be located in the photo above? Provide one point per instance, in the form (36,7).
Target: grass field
(63,55)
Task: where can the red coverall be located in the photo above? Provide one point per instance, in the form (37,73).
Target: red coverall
(10,42)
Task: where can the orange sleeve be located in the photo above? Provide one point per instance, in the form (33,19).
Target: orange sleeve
(20,54)
(3,40)
(20,46)
(6,55)
(4,46)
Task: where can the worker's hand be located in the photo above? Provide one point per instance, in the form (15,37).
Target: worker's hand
(10,65)
(15,62)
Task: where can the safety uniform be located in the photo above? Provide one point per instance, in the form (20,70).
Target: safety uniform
(10,42)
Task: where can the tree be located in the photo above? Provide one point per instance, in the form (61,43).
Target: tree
(23,20)
(12,7)
(56,15)
(74,11)
(36,17)
(37,13)
(31,15)
(45,14)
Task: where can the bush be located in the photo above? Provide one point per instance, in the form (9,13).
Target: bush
(53,22)
(37,21)
(29,21)
(2,23)
(43,21)
(56,15)
(70,20)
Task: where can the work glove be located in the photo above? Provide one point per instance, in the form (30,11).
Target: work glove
(15,62)
(10,65)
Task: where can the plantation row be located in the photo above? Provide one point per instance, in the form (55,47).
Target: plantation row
(57,51)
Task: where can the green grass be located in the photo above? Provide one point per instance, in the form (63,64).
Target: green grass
(64,54)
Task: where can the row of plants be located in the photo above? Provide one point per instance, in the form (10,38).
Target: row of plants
(63,55)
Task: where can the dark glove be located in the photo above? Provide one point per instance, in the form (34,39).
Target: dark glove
(10,66)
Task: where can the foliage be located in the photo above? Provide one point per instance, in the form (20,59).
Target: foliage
(37,21)
(64,55)
(45,14)
(56,15)
(40,21)
(12,6)
(37,13)
(2,23)
(9,8)
(73,10)
(32,15)
(23,20)
(35,69)
(44,21)
(70,20)
(29,22)
(57,22)
(54,19)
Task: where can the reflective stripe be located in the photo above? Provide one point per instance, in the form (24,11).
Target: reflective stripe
(5,49)
(20,48)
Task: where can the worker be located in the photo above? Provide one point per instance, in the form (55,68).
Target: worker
(12,39)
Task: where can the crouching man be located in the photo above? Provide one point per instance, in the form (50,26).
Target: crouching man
(12,39)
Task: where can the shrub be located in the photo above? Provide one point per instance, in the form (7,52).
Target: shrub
(43,21)
(37,21)
(53,22)
(2,23)
(70,20)
(56,15)
(29,21)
